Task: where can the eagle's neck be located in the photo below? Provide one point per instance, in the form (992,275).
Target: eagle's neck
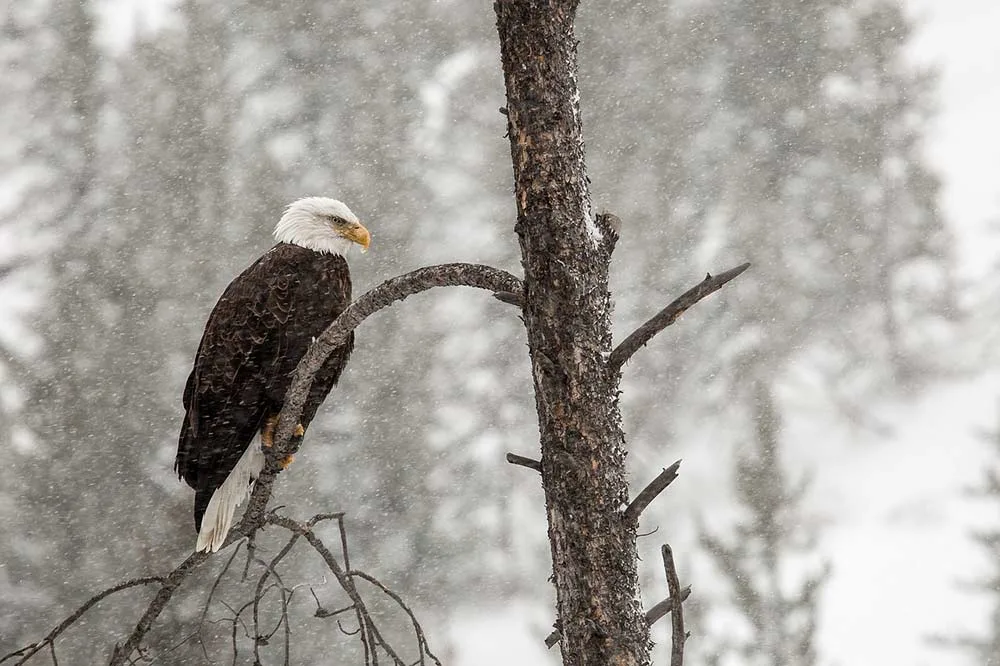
(305,230)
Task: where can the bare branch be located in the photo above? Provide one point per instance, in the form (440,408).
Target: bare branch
(663,608)
(156,606)
(653,615)
(29,651)
(417,629)
(649,493)
(668,315)
(677,614)
(530,463)
(511,297)
(368,627)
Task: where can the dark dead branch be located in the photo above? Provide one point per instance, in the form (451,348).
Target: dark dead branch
(530,463)
(29,651)
(371,635)
(255,516)
(270,569)
(422,646)
(663,608)
(166,592)
(382,296)
(668,315)
(653,615)
(650,492)
(511,297)
(678,636)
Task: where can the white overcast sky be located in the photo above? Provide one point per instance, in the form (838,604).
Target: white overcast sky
(961,38)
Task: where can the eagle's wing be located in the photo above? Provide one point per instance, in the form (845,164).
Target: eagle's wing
(255,337)
(240,363)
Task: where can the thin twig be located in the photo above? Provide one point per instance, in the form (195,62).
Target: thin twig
(343,542)
(29,651)
(677,613)
(417,629)
(218,580)
(530,463)
(367,638)
(346,583)
(269,570)
(668,315)
(649,493)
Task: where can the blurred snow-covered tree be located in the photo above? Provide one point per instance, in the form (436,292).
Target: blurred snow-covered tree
(788,135)
(985,649)
(57,69)
(821,184)
(99,397)
(779,610)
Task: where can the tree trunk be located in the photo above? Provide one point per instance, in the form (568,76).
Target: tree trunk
(567,313)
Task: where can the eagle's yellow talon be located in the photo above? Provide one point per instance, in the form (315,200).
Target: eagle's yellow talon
(287,462)
(267,432)
(299,431)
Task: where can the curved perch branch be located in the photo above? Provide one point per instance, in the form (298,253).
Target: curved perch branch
(668,315)
(382,296)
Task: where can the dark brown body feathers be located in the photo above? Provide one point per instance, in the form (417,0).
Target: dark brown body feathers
(257,333)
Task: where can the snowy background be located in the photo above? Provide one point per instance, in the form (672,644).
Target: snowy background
(396,113)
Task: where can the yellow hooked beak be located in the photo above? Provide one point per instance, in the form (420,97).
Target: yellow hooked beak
(359,235)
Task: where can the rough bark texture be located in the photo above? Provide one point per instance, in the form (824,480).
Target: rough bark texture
(567,310)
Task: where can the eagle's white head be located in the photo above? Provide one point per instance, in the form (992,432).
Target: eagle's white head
(323,225)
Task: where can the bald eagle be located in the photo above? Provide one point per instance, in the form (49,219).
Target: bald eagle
(256,335)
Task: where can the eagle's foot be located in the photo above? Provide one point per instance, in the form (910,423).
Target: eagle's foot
(267,431)
(287,462)
(270,426)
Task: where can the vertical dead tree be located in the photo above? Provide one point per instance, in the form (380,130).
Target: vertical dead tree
(567,313)
(566,304)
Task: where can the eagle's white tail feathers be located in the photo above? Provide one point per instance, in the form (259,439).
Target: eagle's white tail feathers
(233,492)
